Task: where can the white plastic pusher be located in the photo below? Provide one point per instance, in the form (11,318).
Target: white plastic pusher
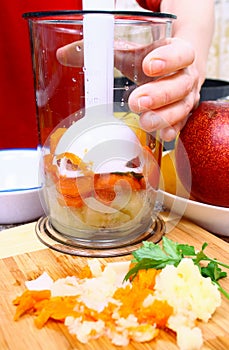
(99,138)
(99,59)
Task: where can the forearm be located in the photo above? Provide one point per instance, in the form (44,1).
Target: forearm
(195,24)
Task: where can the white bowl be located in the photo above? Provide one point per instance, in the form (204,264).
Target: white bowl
(19,186)
(212,218)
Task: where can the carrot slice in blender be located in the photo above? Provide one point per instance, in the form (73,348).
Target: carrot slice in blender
(55,138)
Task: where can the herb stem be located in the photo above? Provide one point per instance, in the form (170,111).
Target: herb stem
(218,262)
(223,291)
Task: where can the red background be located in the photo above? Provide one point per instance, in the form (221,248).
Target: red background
(18,127)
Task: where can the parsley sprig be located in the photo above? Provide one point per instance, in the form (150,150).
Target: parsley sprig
(151,255)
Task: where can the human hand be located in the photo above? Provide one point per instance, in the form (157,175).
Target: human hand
(168,81)
(165,103)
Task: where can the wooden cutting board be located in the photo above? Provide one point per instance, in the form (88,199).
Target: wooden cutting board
(23,335)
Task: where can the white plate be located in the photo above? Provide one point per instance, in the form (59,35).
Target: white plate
(212,218)
(19,186)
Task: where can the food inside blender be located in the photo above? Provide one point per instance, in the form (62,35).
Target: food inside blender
(108,185)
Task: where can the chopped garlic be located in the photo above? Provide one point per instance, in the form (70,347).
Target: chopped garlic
(44,281)
(84,330)
(95,267)
(129,322)
(94,292)
(189,339)
(66,287)
(187,291)
(118,338)
(192,296)
(143,333)
(97,292)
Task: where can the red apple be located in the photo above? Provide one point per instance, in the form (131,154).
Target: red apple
(202,151)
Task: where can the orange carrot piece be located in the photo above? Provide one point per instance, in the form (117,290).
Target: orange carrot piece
(50,168)
(74,159)
(142,182)
(70,201)
(108,181)
(48,161)
(105,195)
(85,272)
(102,186)
(158,312)
(105,185)
(151,169)
(75,186)
(132,300)
(57,308)
(55,138)
(145,279)
(26,302)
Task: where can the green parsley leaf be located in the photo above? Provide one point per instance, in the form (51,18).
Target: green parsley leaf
(186,250)
(213,271)
(149,250)
(171,249)
(151,255)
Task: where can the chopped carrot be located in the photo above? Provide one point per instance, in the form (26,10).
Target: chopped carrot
(131,299)
(105,195)
(146,278)
(136,299)
(110,180)
(70,156)
(45,307)
(56,308)
(105,185)
(102,186)
(100,182)
(27,301)
(73,162)
(70,201)
(151,169)
(132,302)
(48,161)
(50,168)
(75,186)
(158,312)
(85,272)
(106,315)
(67,186)
(142,182)
(55,138)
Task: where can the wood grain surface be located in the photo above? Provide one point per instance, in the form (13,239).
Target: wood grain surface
(23,335)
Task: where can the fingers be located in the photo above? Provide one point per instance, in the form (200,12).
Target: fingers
(162,92)
(170,133)
(165,59)
(128,58)
(169,120)
(165,104)
(71,55)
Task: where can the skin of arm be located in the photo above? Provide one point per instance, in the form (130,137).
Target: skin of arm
(166,103)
